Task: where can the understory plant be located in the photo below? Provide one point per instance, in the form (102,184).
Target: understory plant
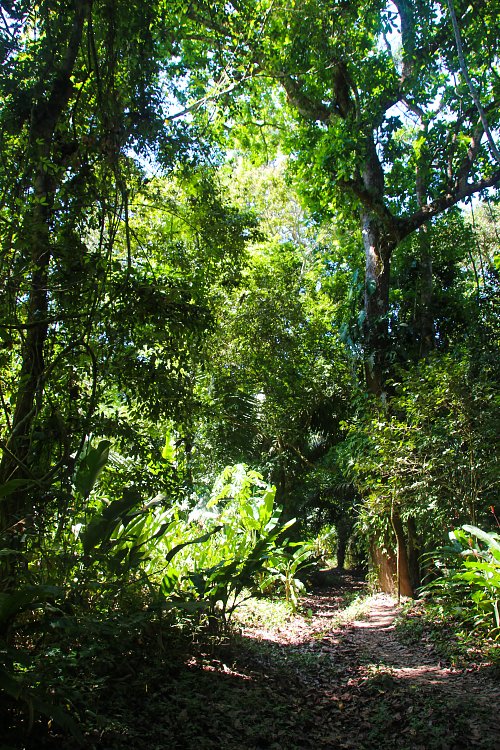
(242,527)
(284,566)
(468,578)
(201,560)
(131,554)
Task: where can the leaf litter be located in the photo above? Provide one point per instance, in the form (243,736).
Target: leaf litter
(332,677)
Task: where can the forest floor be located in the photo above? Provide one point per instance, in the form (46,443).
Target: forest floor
(336,675)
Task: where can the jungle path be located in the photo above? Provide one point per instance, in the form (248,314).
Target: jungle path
(325,680)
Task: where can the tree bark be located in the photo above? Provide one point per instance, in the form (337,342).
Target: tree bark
(376,303)
(384,565)
(378,243)
(36,236)
(405,587)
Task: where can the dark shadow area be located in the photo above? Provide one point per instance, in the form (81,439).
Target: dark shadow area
(321,692)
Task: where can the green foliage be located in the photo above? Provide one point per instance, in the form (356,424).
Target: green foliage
(201,563)
(166,306)
(14,681)
(263,612)
(324,543)
(468,582)
(429,453)
(201,559)
(242,527)
(284,566)
(91,464)
(277,377)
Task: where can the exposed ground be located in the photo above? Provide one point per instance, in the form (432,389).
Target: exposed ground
(328,678)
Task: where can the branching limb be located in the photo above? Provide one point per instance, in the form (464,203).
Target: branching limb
(408,225)
(311,110)
(463,67)
(405,12)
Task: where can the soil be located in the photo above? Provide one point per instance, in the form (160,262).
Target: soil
(321,681)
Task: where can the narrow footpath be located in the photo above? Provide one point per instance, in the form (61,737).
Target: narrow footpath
(356,685)
(334,677)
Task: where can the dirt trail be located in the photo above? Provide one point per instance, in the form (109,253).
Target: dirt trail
(370,690)
(376,641)
(321,681)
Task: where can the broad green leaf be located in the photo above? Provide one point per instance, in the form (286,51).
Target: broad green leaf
(199,540)
(101,527)
(489,539)
(169,451)
(91,465)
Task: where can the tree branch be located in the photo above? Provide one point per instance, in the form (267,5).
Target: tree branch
(405,12)
(46,114)
(409,224)
(463,67)
(312,111)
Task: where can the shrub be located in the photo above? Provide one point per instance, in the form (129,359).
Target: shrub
(468,577)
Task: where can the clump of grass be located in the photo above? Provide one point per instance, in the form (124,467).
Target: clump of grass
(262,612)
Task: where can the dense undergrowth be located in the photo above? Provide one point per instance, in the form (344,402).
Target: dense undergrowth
(145,589)
(135,679)
(131,572)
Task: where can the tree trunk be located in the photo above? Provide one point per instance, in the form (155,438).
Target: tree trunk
(36,236)
(376,303)
(343,538)
(404,584)
(378,243)
(341,550)
(344,528)
(385,566)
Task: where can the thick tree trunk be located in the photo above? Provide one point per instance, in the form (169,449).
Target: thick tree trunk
(16,509)
(378,243)
(376,303)
(384,565)
(36,236)
(341,551)
(404,584)
(343,533)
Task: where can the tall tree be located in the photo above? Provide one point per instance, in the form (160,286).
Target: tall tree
(83,91)
(385,125)
(391,109)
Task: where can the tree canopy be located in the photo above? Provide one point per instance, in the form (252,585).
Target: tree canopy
(249,263)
